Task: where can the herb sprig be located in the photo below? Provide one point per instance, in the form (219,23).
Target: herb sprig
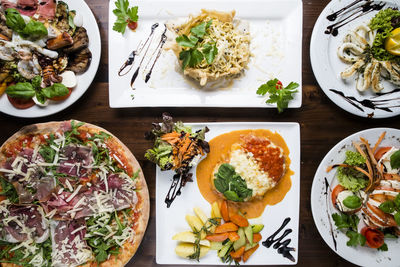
(277,93)
(206,229)
(350,222)
(197,50)
(125,15)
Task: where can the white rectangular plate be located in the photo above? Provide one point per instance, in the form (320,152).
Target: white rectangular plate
(170,221)
(276,43)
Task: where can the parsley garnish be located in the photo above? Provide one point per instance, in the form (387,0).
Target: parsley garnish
(198,50)
(277,93)
(125,15)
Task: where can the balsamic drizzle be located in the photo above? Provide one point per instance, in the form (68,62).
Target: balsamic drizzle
(178,181)
(159,49)
(131,58)
(134,76)
(282,247)
(358,11)
(328,189)
(373,103)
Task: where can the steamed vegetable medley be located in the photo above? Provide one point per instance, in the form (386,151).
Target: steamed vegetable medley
(42,47)
(367,196)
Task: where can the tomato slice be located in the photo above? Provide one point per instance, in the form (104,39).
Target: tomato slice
(374,237)
(132,25)
(335,192)
(21,103)
(61,98)
(381,151)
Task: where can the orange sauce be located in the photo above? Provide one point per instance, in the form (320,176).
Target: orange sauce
(219,150)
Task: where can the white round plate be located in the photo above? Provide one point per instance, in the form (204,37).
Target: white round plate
(327,66)
(322,207)
(84,80)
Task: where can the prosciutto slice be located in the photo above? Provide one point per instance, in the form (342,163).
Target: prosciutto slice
(79,159)
(68,245)
(37,189)
(27,7)
(118,194)
(47,9)
(23,222)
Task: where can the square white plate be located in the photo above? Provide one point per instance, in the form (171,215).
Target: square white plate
(170,221)
(276,43)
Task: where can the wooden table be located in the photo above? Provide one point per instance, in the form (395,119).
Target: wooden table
(323,124)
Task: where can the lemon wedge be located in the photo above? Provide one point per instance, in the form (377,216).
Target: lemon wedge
(392,43)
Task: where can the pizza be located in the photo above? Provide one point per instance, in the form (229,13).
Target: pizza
(72,194)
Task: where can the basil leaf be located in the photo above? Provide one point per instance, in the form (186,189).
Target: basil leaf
(14,20)
(397,218)
(36,82)
(57,89)
(395,160)
(210,51)
(34,30)
(40,97)
(230,195)
(199,30)
(352,202)
(185,41)
(387,206)
(21,90)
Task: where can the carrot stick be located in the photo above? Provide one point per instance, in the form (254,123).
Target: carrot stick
(247,253)
(225,211)
(378,142)
(233,236)
(257,237)
(239,220)
(218,237)
(226,227)
(238,253)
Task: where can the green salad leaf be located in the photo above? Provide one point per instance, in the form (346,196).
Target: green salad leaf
(350,178)
(8,190)
(382,23)
(230,184)
(125,15)
(344,221)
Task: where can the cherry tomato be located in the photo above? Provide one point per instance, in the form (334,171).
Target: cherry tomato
(279,85)
(132,25)
(61,98)
(21,103)
(335,192)
(374,237)
(381,151)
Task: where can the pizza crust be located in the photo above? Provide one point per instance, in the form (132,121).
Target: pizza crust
(142,207)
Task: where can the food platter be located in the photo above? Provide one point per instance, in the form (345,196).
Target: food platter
(83,81)
(172,220)
(77,186)
(271,24)
(327,66)
(322,207)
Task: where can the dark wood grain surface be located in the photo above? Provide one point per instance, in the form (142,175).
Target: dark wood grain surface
(323,124)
